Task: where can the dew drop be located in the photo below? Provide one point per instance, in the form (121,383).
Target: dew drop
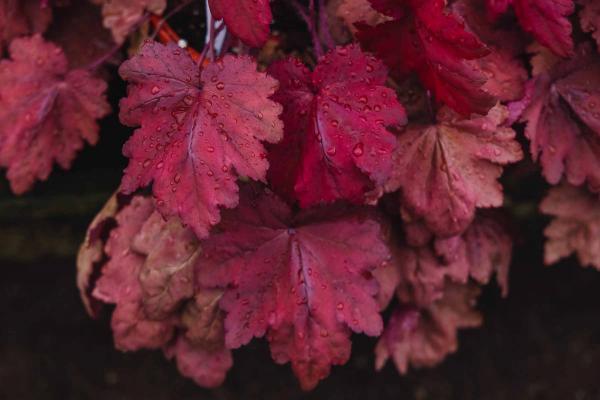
(220,86)
(358,150)
(210,149)
(331,151)
(334,123)
(155,89)
(147,163)
(340,306)
(363,99)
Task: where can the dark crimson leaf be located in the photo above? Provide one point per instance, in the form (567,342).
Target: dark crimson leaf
(47,111)
(590,18)
(445,171)
(22,17)
(576,226)
(247,19)
(336,144)
(303,280)
(546,20)
(200,130)
(435,44)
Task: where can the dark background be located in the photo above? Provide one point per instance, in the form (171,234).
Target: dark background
(542,342)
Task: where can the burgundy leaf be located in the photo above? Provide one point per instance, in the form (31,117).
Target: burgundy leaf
(590,18)
(336,145)
(435,44)
(546,20)
(22,17)
(47,111)
(304,281)
(200,130)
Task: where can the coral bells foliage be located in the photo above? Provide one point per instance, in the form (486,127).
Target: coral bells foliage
(300,192)
(200,130)
(336,144)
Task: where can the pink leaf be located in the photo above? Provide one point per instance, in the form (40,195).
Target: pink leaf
(563,123)
(207,367)
(336,145)
(575,228)
(304,281)
(200,130)
(445,171)
(424,337)
(121,16)
(46,111)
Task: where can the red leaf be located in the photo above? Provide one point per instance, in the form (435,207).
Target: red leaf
(303,280)
(590,18)
(336,145)
(563,123)
(435,45)
(22,17)
(121,16)
(247,19)
(46,111)
(503,68)
(424,337)
(546,20)
(200,130)
(575,228)
(445,171)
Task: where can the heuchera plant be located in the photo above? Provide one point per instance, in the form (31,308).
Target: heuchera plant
(304,190)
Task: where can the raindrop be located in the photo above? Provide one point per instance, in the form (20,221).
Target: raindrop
(220,86)
(358,150)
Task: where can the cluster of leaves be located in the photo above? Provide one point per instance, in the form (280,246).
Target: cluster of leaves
(320,196)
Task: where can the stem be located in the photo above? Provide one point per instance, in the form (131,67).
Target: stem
(310,18)
(211,35)
(324,26)
(169,15)
(106,56)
